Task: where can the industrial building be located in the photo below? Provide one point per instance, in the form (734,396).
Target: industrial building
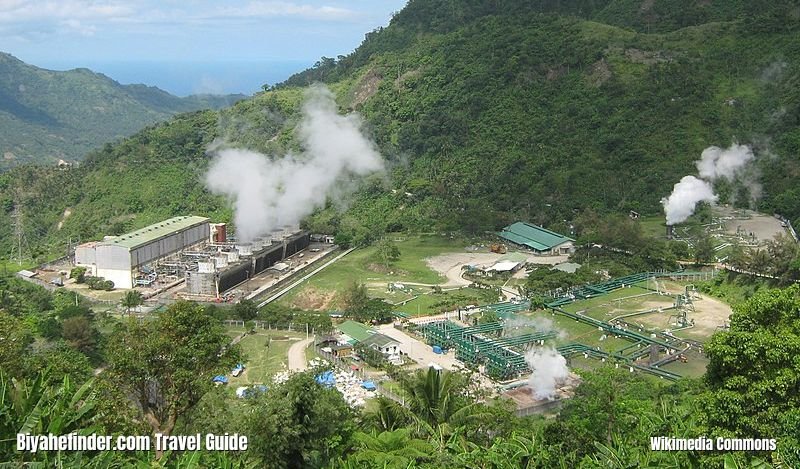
(118,258)
(537,239)
(188,248)
(225,266)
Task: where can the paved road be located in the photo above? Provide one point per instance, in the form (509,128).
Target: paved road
(419,351)
(297,355)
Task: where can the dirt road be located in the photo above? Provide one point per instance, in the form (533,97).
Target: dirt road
(297,355)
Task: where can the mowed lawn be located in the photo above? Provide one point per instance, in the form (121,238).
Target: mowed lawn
(364,266)
(262,362)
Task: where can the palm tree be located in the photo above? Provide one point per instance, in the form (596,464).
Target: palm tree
(435,398)
(390,449)
(132,299)
(386,416)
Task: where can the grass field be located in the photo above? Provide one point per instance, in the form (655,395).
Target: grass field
(602,301)
(363,265)
(654,226)
(425,304)
(262,362)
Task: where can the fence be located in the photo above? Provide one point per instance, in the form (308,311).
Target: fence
(789,226)
(291,327)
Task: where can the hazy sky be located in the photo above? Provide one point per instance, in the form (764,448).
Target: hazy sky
(207,36)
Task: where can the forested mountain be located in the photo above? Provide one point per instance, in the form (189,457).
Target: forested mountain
(487,111)
(49,115)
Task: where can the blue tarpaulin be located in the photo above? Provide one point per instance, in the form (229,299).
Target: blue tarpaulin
(369,385)
(220,379)
(436,349)
(326,378)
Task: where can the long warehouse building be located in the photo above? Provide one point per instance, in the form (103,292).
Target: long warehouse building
(116,258)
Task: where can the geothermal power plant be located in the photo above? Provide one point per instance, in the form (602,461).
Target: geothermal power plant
(188,248)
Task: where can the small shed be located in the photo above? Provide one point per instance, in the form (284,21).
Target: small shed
(342,350)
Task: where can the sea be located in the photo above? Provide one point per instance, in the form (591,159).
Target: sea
(186,78)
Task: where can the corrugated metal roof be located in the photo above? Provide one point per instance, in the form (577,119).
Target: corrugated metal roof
(533,236)
(355,330)
(155,231)
(379,340)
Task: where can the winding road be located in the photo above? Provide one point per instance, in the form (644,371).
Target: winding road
(297,355)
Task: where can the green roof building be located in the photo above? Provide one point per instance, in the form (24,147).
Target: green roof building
(382,343)
(117,258)
(538,239)
(355,331)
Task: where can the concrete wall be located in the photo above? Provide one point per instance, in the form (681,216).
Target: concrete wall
(111,256)
(122,278)
(85,255)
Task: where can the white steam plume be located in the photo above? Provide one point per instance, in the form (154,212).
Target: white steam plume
(684,198)
(714,163)
(521,325)
(270,193)
(725,163)
(549,370)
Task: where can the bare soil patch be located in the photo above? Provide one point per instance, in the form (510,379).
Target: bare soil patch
(764,227)
(313,299)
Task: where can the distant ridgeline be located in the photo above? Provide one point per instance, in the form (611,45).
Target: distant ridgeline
(46,116)
(487,112)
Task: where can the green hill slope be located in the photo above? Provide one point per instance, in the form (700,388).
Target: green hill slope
(47,115)
(490,111)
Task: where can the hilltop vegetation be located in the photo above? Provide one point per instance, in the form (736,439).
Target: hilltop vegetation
(486,112)
(47,115)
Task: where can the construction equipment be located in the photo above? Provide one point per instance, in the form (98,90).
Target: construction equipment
(498,248)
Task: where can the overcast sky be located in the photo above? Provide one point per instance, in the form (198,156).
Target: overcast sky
(117,35)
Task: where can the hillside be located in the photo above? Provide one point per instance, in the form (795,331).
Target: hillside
(48,115)
(486,112)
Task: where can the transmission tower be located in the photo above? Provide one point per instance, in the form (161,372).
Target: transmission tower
(19,233)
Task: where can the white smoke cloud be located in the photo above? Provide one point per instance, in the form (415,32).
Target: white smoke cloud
(549,370)
(684,198)
(714,163)
(272,192)
(521,325)
(718,163)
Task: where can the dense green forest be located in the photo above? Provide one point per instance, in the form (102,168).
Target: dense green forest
(486,112)
(49,115)
(488,116)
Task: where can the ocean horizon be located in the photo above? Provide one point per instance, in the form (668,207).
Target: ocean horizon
(186,78)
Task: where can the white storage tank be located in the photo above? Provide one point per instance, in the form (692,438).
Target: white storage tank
(258,244)
(221,261)
(233,256)
(205,267)
(245,249)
